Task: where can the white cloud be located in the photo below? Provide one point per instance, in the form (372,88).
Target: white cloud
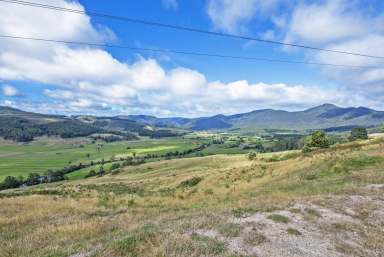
(170,4)
(85,79)
(10,91)
(349,26)
(233,16)
(325,22)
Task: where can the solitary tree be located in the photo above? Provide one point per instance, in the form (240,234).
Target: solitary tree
(319,139)
(358,133)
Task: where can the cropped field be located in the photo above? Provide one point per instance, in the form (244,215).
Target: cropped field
(54,153)
(325,203)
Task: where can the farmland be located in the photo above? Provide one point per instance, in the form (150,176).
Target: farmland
(20,159)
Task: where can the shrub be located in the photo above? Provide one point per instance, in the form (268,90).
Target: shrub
(358,133)
(319,139)
(33,179)
(11,182)
(306,149)
(251,156)
(191,182)
(91,173)
(114,166)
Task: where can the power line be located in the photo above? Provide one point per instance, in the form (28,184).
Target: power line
(182,52)
(177,27)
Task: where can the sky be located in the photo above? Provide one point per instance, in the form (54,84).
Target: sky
(60,78)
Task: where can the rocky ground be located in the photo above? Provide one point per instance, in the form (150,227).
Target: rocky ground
(332,226)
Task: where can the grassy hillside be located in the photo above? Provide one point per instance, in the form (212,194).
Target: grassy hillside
(325,203)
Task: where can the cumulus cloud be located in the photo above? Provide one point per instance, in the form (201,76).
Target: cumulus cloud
(347,26)
(351,26)
(91,80)
(329,21)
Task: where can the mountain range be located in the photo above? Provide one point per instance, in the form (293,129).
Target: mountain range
(327,116)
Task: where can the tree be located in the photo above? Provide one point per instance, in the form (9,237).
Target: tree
(115,166)
(33,179)
(382,128)
(319,139)
(101,171)
(11,182)
(358,133)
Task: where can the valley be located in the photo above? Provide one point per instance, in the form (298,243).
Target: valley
(226,192)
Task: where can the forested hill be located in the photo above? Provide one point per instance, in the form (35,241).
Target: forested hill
(23,126)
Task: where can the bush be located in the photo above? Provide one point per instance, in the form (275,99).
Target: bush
(252,156)
(33,179)
(306,149)
(317,139)
(114,166)
(358,133)
(191,182)
(11,182)
(91,173)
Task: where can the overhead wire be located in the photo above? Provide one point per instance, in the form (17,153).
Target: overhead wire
(184,28)
(170,51)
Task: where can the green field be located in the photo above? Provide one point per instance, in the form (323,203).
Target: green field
(52,153)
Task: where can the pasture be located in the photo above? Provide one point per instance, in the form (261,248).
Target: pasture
(17,159)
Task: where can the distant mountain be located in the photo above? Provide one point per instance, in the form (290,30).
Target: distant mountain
(160,122)
(326,116)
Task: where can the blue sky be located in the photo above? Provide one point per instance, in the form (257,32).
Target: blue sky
(61,78)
